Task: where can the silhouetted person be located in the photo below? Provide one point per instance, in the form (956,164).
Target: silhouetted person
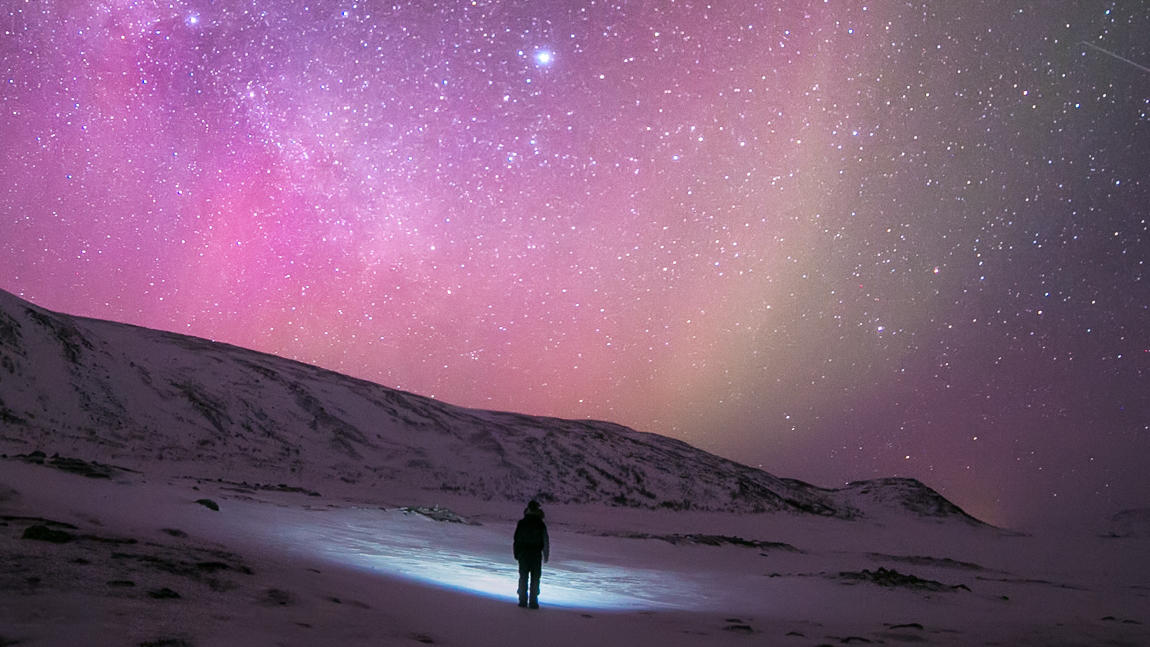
(532,548)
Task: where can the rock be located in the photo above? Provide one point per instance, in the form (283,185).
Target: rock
(44,533)
(437,513)
(278,597)
(891,577)
(709,540)
(90,469)
(163,594)
(1130,524)
(209,504)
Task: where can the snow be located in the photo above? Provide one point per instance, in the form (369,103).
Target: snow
(339,571)
(319,538)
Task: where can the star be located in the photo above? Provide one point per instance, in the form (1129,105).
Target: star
(544,57)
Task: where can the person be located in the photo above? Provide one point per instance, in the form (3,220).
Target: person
(532,547)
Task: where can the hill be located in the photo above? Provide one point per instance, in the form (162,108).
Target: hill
(136,397)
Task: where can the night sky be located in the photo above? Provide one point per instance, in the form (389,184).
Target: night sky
(833,239)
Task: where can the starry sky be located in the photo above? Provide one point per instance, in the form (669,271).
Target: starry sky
(837,240)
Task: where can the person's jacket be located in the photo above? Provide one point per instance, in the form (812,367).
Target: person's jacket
(531,537)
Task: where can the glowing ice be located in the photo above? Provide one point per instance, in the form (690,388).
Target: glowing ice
(478,560)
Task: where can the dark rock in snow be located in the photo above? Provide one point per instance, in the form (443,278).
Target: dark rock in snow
(90,469)
(278,598)
(1130,524)
(892,578)
(44,533)
(907,625)
(123,541)
(33,457)
(278,487)
(163,594)
(177,562)
(1028,580)
(710,540)
(919,560)
(209,504)
(1125,621)
(166,642)
(436,513)
(38,521)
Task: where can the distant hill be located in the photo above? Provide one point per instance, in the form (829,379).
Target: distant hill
(143,398)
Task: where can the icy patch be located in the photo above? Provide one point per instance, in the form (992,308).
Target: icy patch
(478,560)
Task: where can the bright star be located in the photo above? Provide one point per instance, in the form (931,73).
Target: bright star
(544,57)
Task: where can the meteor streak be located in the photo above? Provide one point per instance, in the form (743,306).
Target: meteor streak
(1112,54)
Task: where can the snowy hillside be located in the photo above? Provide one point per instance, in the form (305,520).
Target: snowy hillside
(132,396)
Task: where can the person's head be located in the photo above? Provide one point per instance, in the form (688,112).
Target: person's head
(533,509)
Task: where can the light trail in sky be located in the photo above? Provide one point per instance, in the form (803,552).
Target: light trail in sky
(1117,56)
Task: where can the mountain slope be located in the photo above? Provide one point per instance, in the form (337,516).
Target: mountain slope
(139,397)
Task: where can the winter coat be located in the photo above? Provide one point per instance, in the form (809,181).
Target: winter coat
(531,538)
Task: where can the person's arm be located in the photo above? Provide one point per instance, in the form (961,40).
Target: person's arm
(546,545)
(515,543)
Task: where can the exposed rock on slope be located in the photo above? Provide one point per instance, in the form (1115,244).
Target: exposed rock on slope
(133,396)
(1132,523)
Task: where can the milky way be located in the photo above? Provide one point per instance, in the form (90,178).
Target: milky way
(834,239)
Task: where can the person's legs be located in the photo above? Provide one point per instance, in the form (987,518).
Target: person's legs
(524,573)
(536,573)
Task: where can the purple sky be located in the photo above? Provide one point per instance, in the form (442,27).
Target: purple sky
(835,239)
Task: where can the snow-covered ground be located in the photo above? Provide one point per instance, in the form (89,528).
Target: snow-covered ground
(144,564)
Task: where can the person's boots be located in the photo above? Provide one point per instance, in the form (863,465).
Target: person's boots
(534,604)
(522,600)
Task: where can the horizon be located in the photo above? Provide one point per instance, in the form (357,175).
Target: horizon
(833,242)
